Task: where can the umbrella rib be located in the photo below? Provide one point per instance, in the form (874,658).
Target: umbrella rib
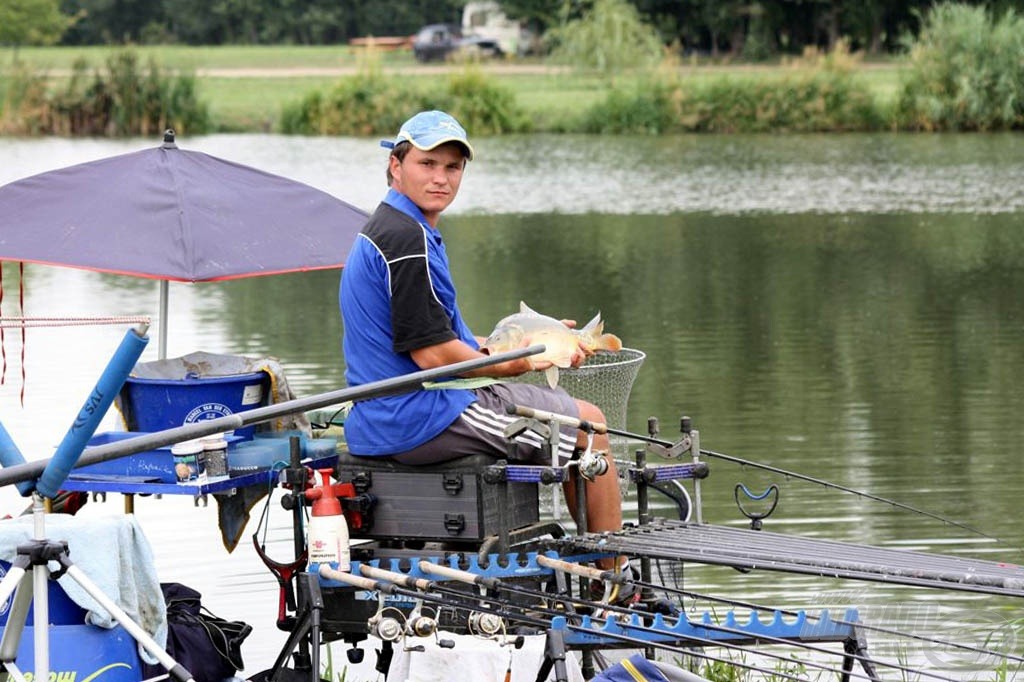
(184,224)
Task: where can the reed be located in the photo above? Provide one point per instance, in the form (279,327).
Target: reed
(125,98)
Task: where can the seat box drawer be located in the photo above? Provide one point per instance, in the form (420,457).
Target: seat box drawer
(435,503)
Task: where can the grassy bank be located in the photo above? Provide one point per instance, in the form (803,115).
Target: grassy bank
(964,72)
(248,87)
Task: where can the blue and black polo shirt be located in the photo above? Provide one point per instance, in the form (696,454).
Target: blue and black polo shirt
(396,296)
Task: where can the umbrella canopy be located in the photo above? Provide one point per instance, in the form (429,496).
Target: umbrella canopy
(174,215)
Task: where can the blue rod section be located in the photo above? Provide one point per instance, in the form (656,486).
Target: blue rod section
(92,412)
(10,455)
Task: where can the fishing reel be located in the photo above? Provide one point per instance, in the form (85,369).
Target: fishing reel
(388,624)
(386,628)
(484,624)
(419,625)
(592,463)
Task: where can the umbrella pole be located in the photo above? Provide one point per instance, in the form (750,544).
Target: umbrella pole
(162,345)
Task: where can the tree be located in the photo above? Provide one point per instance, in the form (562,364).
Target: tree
(31,22)
(608,38)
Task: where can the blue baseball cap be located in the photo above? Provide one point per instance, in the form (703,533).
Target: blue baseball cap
(430,129)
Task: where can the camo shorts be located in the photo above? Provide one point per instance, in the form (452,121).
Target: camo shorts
(480,429)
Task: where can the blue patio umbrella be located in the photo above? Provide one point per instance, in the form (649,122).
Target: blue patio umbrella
(174,215)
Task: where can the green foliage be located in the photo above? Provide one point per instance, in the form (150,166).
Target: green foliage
(609,38)
(818,101)
(32,22)
(721,671)
(651,107)
(826,97)
(371,103)
(358,105)
(967,72)
(124,100)
(22,101)
(482,106)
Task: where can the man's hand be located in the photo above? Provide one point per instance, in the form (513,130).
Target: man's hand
(581,354)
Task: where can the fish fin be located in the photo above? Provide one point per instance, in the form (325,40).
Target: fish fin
(551,374)
(527,310)
(594,327)
(609,342)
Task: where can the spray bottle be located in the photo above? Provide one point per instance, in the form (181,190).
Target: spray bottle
(328,530)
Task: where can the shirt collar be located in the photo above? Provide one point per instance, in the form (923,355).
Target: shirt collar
(399,201)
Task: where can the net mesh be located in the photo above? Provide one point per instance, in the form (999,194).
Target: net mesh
(605,380)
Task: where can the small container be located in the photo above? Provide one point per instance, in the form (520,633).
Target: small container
(215,450)
(250,456)
(189,462)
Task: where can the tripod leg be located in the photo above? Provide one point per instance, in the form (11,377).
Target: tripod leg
(174,669)
(18,613)
(554,655)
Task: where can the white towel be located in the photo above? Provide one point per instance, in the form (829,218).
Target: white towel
(114,555)
(473,658)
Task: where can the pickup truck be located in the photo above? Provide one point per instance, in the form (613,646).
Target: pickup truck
(444,41)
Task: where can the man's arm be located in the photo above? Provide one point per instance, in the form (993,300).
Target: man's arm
(453,351)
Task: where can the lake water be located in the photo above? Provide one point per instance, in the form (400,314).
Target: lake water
(846,307)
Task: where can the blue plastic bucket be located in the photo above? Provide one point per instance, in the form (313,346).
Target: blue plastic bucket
(158,404)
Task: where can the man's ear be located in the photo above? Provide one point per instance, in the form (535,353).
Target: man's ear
(395,166)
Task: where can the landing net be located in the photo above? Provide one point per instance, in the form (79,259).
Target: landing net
(605,379)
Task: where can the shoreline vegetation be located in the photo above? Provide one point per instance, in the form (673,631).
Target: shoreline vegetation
(964,72)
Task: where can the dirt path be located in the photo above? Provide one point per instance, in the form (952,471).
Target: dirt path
(428,69)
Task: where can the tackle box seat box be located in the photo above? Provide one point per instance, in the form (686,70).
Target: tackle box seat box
(447,501)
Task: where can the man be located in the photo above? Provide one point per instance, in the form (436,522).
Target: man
(400,316)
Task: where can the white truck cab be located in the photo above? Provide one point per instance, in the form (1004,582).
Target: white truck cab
(487,20)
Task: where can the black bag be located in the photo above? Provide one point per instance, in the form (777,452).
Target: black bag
(207,646)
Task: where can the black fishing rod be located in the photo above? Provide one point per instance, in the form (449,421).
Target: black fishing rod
(500,608)
(597,427)
(30,471)
(840,621)
(860,493)
(598,575)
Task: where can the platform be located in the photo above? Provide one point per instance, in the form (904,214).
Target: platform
(151,485)
(749,549)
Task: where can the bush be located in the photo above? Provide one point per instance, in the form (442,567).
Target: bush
(360,105)
(966,72)
(482,107)
(825,97)
(651,108)
(125,100)
(371,103)
(816,102)
(23,102)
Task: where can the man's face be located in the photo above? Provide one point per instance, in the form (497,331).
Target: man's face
(431,179)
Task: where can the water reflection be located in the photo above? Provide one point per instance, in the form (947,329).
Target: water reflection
(623,175)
